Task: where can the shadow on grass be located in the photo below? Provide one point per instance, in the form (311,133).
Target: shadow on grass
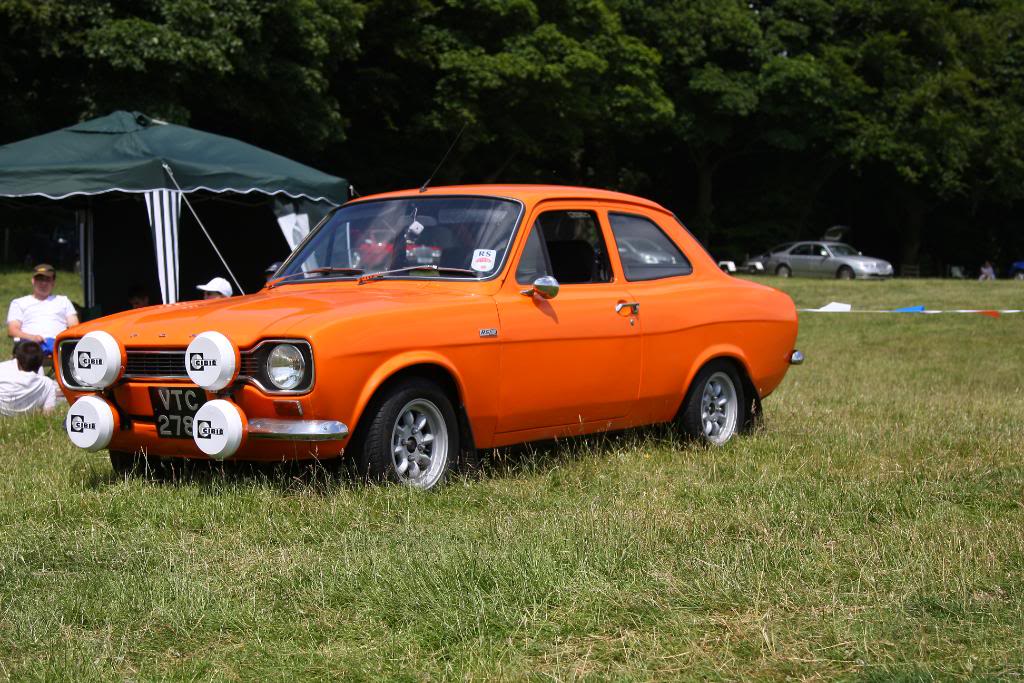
(328,476)
(308,476)
(541,457)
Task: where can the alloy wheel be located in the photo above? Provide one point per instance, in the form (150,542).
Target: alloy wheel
(719,408)
(419,444)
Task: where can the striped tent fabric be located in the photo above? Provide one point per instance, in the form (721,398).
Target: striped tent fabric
(164,207)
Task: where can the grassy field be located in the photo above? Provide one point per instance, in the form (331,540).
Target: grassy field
(873,530)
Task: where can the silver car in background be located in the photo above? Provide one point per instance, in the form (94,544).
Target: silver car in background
(823,259)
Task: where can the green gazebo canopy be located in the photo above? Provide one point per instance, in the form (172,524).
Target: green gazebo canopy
(126,151)
(161,163)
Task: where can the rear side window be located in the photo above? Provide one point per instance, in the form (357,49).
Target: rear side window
(645,251)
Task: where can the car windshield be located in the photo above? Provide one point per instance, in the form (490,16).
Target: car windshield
(843,250)
(444,235)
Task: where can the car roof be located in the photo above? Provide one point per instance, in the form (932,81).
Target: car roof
(827,242)
(528,194)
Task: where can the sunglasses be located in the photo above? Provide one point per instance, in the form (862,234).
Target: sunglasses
(43,278)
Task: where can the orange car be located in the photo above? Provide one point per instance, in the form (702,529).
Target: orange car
(503,314)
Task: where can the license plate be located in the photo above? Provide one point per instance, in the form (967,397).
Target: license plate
(174,409)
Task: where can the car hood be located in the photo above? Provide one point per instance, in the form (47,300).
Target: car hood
(287,311)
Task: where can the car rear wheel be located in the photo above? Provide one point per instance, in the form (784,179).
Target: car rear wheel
(845,273)
(783,271)
(715,406)
(412,437)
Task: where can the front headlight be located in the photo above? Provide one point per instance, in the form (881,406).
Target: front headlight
(285,366)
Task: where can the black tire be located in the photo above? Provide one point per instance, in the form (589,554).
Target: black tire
(691,416)
(374,457)
(783,271)
(844,273)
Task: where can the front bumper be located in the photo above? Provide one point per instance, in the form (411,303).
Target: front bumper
(297,430)
(879,273)
(280,440)
(265,436)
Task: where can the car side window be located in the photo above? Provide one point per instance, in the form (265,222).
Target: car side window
(820,250)
(802,250)
(567,245)
(645,250)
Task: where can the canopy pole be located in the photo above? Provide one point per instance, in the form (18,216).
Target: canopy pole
(84,219)
(201,226)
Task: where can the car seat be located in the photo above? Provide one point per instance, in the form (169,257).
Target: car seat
(572,261)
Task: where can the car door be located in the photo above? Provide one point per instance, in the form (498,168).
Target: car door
(671,302)
(822,263)
(574,358)
(799,259)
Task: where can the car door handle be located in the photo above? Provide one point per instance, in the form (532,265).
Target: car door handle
(632,304)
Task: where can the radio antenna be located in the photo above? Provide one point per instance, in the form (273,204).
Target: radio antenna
(445,157)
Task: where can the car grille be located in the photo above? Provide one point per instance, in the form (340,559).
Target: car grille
(156,364)
(250,365)
(170,364)
(166,364)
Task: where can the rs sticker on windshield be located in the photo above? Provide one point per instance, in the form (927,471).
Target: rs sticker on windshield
(483,260)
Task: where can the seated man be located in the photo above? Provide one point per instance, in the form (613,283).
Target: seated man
(22,388)
(41,315)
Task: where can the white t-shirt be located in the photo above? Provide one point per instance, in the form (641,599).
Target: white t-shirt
(22,392)
(47,317)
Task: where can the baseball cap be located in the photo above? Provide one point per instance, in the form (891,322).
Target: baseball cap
(219,285)
(44,269)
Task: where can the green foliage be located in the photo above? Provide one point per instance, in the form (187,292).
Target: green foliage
(790,110)
(185,60)
(529,78)
(922,106)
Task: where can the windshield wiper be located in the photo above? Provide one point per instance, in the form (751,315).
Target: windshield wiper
(408,269)
(323,270)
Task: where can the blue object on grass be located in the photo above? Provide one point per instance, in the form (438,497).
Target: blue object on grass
(909,309)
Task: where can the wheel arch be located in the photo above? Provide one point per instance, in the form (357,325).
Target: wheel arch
(433,367)
(735,356)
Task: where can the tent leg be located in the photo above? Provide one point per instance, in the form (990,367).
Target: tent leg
(85,252)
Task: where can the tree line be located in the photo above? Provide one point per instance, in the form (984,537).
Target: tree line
(756,121)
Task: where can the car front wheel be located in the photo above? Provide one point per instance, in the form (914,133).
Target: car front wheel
(783,271)
(714,409)
(845,273)
(412,437)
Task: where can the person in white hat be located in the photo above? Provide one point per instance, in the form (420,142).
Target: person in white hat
(217,288)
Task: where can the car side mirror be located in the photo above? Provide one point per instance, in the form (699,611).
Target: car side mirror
(546,287)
